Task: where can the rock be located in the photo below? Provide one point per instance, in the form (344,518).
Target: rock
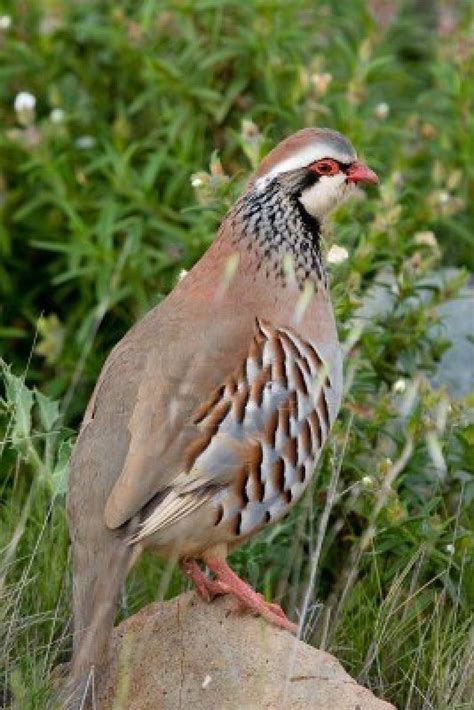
(185,654)
(455,371)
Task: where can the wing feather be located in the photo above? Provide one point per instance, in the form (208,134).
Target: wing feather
(185,361)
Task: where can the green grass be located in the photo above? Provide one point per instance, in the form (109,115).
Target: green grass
(98,218)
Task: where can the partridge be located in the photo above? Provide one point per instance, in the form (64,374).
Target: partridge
(209,415)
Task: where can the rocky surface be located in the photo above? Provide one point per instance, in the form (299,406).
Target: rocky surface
(185,654)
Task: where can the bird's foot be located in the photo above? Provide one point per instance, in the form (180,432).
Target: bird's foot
(227,582)
(205,587)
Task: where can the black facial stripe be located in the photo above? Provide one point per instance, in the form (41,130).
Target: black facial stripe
(343,166)
(309,179)
(311,223)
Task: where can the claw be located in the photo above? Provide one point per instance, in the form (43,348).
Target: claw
(229,583)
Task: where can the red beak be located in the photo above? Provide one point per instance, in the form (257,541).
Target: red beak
(358,172)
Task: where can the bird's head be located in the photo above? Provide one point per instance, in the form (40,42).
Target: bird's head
(318,166)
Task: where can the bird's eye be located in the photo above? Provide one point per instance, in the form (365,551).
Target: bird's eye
(325,167)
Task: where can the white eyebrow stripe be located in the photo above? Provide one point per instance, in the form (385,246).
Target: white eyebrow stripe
(305,157)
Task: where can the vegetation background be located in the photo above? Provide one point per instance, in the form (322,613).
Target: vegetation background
(141,122)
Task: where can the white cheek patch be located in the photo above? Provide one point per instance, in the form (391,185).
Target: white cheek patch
(325,195)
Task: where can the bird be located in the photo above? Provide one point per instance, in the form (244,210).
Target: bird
(209,416)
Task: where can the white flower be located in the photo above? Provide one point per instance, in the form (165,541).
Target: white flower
(85,142)
(5,22)
(249,129)
(399,386)
(337,254)
(182,274)
(367,481)
(427,239)
(57,115)
(196,181)
(24,101)
(321,82)
(24,105)
(450,549)
(381,111)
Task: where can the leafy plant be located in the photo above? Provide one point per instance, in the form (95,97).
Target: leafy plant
(140,125)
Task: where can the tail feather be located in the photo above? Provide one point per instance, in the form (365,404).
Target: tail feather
(95,596)
(101,557)
(100,560)
(99,571)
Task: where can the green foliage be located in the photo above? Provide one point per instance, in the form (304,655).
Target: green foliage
(148,120)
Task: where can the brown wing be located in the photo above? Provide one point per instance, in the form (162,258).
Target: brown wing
(176,362)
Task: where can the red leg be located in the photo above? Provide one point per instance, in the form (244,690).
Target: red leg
(205,587)
(229,583)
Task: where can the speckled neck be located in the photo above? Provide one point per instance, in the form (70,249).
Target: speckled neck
(274,225)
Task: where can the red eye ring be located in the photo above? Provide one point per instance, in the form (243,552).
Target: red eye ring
(326,166)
